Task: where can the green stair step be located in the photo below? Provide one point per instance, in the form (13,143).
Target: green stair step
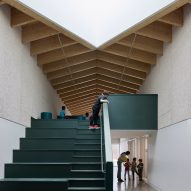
(87,174)
(86,182)
(38,170)
(51,155)
(24,184)
(87,158)
(53,123)
(51,132)
(86,189)
(86,165)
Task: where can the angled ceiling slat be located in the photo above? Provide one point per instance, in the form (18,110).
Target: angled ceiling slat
(70,83)
(137,65)
(174,18)
(157,30)
(59,54)
(143,43)
(50,43)
(2,3)
(81,100)
(19,18)
(73,69)
(71,61)
(36,31)
(135,54)
(79,87)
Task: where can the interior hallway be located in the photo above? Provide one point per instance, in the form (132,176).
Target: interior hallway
(129,186)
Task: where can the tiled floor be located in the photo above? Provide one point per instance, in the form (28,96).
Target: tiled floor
(129,185)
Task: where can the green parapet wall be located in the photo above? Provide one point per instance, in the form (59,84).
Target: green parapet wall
(133,111)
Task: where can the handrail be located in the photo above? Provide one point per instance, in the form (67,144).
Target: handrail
(107,134)
(108,160)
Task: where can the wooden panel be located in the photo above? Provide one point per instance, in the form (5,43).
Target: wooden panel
(36,31)
(58,54)
(71,61)
(86,95)
(1,3)
(74,76)
(19,18)
(143,43)
(121,69)
(157,30)
(50,43)
(118,81)
(175,18)
(121,61)
(82,108)
(114,88)
(76,82)
(72,69)
(81,100)
(77,91)
(79,87)
(116,75)
(135,54)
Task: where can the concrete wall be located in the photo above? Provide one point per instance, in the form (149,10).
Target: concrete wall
(24,89)
(170,78)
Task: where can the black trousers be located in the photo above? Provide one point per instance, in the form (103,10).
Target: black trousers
(95,116)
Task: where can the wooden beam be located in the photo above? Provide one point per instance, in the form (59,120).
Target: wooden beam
(121,77)
(82,100)
(121,61)
(79,87)
(157,30)
(50,43)
(59,54)
(72,69)
(36,31)
(143,43)
(79,94)
(53,25)
(134,54)
(80,111)
(166,10)
(19,18)
(121,69)
(74,77)
(2,3)
(76,82)
(71,61)
(82,108)
(87,95)
(174,18)
(117,82)
(113,87)
(81,104)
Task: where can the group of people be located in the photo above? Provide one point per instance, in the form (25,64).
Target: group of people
(133,166)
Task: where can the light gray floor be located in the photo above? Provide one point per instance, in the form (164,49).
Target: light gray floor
(129,185)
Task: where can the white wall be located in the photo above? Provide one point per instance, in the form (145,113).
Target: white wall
(10,133)
(24,89)
(170,78)
(169,157)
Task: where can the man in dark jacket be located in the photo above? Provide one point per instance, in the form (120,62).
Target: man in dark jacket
(96,109)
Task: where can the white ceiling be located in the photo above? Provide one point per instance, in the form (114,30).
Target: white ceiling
(96,21)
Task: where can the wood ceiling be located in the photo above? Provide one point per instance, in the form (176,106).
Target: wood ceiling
(78,71)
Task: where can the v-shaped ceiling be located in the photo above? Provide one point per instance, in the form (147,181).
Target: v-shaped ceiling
(78,71)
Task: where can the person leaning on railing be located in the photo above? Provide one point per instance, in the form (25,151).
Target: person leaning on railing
(96,109)
(122,158)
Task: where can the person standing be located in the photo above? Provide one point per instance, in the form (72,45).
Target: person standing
(134,167)
(140,169)
(122,158)
(127,167)
(62,112)
(96,109)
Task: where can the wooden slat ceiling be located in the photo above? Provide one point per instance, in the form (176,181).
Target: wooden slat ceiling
(78,71)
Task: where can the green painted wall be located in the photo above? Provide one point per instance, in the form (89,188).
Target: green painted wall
(133,112)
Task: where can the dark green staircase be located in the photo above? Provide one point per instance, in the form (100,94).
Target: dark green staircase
(56,155)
